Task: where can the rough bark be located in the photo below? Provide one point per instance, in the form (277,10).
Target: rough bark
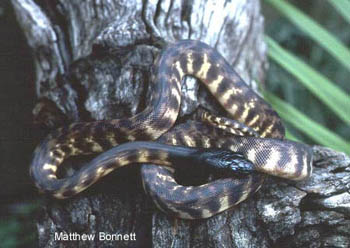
(93,61)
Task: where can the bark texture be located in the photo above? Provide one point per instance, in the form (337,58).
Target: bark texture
(93,61)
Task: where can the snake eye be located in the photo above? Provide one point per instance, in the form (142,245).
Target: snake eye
(241,165)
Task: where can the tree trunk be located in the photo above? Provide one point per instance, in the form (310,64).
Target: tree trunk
(93,61)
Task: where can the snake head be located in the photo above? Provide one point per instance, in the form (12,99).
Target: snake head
(226,162)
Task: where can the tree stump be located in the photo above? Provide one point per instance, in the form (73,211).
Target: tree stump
(93,61)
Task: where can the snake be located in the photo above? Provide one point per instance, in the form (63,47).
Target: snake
(245,145)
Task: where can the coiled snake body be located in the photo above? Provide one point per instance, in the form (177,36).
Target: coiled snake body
(224,144)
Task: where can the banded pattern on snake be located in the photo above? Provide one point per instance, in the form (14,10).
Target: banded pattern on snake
(252,141)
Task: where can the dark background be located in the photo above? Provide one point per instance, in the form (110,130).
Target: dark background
(18,136)
(17,97)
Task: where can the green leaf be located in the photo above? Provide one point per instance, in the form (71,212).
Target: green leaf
(343,7)
(290,136)
(335,98)
(312,129)
(314,30)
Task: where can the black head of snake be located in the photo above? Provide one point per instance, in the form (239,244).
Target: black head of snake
(250,140)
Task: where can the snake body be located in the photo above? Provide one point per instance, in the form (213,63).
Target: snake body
(254,129)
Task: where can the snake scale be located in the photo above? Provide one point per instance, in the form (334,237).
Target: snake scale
(251,140)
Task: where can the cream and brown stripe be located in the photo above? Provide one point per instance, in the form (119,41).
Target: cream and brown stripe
(250,117)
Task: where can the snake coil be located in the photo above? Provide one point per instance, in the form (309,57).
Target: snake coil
(254,129)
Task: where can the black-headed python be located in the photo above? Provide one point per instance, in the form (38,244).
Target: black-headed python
(252,141)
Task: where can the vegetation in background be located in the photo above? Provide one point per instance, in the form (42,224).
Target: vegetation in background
(17,225)
(310,69)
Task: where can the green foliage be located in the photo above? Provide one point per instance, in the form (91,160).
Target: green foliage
(325,104)
(17,227)
(343,7)
(320,35)
(311,128)
(320,86)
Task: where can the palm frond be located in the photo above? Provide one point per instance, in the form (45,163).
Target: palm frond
(312,129)
(320,35)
